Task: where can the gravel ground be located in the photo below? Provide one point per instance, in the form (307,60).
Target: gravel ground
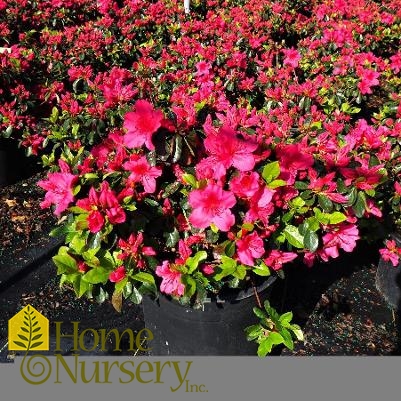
(336,304)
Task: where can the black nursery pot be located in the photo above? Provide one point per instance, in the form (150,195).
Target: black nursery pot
(14,164)
(217,329)
(388,279)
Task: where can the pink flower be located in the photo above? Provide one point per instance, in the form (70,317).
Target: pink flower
(245,185)
(368,79)
(249,248)
(95,221)
(211,205)
(397,188)
(207,269)
(99,205)
(59,187)
(83,267)
(344,236)
(391,253)
(117,275)
(202,68)
(227,149)
(326,186)
(261,206)
(293,158)
(171,283)
(141,171)
(277,258)
(292,57)
(396,62)
(133,248)
(141,124)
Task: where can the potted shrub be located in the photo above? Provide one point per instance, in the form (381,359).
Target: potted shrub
(191,153)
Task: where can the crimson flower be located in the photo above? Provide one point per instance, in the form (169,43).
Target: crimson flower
(99,205)
(134,248)
(293,158)
(117,275)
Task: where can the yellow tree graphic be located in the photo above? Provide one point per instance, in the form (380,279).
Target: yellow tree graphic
(28,330)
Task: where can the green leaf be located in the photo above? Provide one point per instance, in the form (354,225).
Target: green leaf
(172,238)
(293,236)
(253,332)
(189,179)
(95,241)
(119,287)
(311,240)
(277,183)
(265,347)
(96,275)
(325,203)
(193,262)
(301,185)
(352,196)
(228,267)
(271,171)
(286,318)
(229,249)
(337,217)
(171,189)
(81,287)
(248,226)
(65,263)
(261,314)
(360,205)
(262,270)
(136,296)
(190,285)
(102,296)
(145,278)
(321,217)
(297,202)
(298,332)
(177,148)
(78,244)
(240,272)
(287,339)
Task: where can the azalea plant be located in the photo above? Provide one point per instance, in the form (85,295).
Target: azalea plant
(191,152)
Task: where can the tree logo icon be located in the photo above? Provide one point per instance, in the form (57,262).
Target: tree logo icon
(28,330)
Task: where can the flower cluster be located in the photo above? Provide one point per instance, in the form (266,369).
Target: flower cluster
(191,152)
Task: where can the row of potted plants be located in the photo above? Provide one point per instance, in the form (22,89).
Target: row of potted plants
(191,152)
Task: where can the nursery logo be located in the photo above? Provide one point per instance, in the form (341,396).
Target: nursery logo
(28,330)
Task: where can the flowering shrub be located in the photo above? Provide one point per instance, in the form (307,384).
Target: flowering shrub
(191,152)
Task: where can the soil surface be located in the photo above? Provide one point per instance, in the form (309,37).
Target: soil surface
(22,221)
(337,304)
